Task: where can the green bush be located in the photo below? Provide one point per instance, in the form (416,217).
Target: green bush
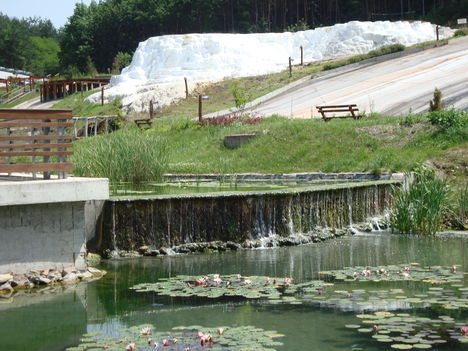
(461,32)
(448,119)
(418,206)
(128,155)
(436,104)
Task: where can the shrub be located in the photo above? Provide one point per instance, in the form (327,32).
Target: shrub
(121,60)
(228,119)
(241,98)
(418,206)
(448,119)
(436,104)
(461,32)
(128,155)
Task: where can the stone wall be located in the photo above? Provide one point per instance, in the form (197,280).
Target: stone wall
(42,236)
(168,221)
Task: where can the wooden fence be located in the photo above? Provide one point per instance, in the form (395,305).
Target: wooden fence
(35,141)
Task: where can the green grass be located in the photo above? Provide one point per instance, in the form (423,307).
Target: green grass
(25,98)
(419,207)
(375,144)
(82,108)
(128,155)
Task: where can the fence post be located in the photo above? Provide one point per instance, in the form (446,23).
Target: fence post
(186,88)
(151,109)
(437,32)
(302,56)
(290,67)
(200,114)
(102,96)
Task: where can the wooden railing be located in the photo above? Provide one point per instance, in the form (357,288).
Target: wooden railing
(35,141)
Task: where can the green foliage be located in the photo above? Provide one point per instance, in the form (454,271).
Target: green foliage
(446,120)
(461,32)
(436,103)
(128,155)
(301,25)
(418,207)
(241,98)
(384,50)
(80,107)
(411,119)
(121,60)
(44,56)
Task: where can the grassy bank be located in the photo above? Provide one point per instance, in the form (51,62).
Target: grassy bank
(25,98)
(375,144)
(80,107)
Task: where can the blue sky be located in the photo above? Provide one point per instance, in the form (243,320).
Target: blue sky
(56,10)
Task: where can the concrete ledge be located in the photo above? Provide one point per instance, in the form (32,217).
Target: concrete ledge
(53,191)
(235,141)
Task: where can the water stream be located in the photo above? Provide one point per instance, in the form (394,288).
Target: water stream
(53,322)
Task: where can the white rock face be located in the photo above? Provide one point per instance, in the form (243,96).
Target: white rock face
(160,63)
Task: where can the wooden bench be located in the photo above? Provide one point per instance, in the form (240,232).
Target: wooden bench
(143,123)
(35,141)
(351,110)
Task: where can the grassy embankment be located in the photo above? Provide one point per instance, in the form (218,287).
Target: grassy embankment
(25,98)
(80,107)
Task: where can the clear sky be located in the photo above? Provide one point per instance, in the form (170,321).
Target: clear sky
(57,11)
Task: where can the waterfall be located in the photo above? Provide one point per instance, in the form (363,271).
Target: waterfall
(170,221)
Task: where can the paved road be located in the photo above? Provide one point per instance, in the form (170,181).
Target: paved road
(35,103)
(391,87)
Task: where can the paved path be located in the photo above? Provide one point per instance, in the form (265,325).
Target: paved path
(35,104)
(392,87)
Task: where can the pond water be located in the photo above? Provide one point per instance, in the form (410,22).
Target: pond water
(208,186)
(57,321)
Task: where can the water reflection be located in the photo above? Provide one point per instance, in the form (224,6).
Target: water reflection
(108,304)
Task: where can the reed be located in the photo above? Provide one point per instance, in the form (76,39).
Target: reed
(418,206)
(128,155)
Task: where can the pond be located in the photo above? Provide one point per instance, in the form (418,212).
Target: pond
(194,186)
(57,321)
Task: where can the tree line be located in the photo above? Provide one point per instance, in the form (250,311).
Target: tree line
(102,36)
(30,44)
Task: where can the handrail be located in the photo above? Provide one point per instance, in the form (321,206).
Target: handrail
(35,141)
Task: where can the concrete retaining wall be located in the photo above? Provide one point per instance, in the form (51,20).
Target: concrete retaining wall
(42,236)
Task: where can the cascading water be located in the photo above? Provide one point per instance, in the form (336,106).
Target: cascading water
(166,222)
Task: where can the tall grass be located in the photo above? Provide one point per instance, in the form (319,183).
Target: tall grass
(419,206)
(128,155)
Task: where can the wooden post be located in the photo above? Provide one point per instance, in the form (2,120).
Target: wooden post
(302,56)
(86,128)
(200,106)
(437,32)
(186,88)
(102,96)
(151,109)
(106,125)
(46,159)
(290,67)
(96,121)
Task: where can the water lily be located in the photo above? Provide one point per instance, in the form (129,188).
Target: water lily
(165,342)
(206,339)
(130,347)
(464,331)
(145,331)
(200,334)
(220,331)
(453,269)
(287,281)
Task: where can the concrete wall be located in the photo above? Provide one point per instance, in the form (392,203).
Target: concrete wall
(42,236)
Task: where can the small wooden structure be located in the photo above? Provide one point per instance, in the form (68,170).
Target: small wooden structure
(143,123)
(351,111)
(94,122)
(35,141)
(56,89)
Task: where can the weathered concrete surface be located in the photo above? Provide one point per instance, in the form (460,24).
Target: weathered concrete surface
(235,141)
(53,191)
(42,236)
(171,220)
